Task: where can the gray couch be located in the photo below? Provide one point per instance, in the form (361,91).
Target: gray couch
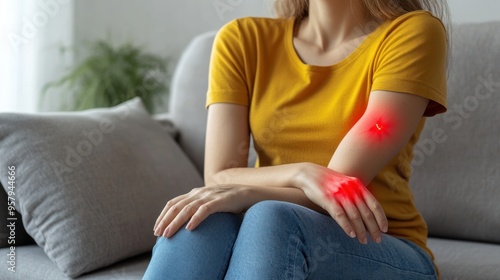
(456,166)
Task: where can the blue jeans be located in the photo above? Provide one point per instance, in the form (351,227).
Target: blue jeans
(281,240)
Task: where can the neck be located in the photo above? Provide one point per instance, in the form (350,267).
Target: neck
(332,22)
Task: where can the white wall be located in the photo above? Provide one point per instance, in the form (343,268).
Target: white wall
(51,61)
(166,26)
(162,26)
(474,10)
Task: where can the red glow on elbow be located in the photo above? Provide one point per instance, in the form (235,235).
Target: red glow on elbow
(379,128)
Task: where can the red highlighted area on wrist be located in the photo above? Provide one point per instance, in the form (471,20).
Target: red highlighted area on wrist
(344,189)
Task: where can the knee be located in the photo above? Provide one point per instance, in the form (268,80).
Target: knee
(216,223)
(216,226)
(199,254)
(221,221)
(271,211)
(269,207)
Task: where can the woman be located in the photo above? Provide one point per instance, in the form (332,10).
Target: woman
(334,93)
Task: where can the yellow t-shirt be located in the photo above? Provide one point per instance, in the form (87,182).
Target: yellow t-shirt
(300,113)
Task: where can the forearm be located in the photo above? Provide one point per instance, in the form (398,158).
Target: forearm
(281,176)
(268,183)
(294,195)
(384,129)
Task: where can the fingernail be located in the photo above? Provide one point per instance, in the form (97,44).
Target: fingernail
(189,226)
(166,233)
(378,240)
(157,232)
(352,234)
(364,241)
(385,229)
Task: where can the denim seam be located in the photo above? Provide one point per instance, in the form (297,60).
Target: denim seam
(307,246)
(292,256)
(229,249)
(421,252)
(384,263)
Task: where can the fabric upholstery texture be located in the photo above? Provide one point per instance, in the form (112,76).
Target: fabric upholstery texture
(466,260)
(91,184)
(187,103)
(23,238)
(33,263)
(457,161)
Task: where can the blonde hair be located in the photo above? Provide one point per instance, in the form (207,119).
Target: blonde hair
(381,10)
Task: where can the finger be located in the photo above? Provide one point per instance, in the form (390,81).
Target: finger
(377,210)
(202,213)
(172,212)
(355,219)
(172,202)
(369,220)
(340,216)
(166,208)
(182,217)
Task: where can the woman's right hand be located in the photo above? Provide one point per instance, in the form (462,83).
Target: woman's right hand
(194,207)
(346,199)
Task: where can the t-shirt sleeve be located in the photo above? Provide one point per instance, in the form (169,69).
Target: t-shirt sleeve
(227,81)
(413,60)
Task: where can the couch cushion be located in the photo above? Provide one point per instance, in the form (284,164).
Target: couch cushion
(91,184)
(33,264)
(457,160)
(466,260)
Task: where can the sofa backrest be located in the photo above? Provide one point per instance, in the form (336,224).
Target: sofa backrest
(456,178)
(188,96)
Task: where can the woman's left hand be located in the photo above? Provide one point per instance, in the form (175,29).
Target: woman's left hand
(198,204)
(346,199)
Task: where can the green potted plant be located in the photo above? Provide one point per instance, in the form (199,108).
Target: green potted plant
(111,75)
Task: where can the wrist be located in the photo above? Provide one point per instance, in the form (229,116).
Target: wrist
(243,196)
(299,175)
(253,195)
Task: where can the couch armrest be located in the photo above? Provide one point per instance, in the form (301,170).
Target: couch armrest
(166,122)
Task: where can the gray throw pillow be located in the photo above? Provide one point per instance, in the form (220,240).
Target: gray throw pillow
(90,184)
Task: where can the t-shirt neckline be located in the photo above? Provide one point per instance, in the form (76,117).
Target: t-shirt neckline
(294,56)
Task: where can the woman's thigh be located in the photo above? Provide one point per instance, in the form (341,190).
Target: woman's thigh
(203,253)
(280,240)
